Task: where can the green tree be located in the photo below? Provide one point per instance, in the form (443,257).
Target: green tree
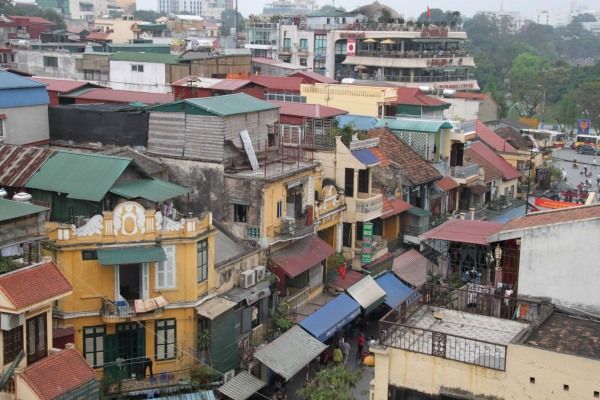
(526,84)
(567,113)
(332,384)
(147,15)
(228,22)
(589,102)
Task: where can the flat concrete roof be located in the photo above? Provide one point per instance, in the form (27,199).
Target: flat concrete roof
(274,171)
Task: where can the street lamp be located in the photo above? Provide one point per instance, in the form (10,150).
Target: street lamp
(528,182)
(498,257)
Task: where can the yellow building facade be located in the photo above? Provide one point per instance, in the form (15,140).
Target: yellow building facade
(137,276)
(359,100)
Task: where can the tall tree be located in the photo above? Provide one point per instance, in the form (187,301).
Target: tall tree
(228,22)
(589,102)
(526,82)
(332,384)
(567,113)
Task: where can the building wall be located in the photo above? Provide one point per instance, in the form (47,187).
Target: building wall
(462,109)
(122,32)
(32,62)
(26,125)
(153,79)
(546,264)
(507,185)
(551,370)
(359,100)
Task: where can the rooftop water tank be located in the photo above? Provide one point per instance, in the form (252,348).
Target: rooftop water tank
(22,197)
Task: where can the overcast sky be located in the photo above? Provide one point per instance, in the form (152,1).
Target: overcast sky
(467,7)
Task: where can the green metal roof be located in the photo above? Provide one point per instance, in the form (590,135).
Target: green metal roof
(81,176)
(130,255)
(418,212)
(223,106)
(414,125)
(149,189)
(156,58)
(10,209)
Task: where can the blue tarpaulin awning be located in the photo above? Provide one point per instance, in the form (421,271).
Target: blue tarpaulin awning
(366,156)
(332,317)
(396,291)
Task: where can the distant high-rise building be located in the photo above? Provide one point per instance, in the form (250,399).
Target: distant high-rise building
(505,21)
(213,9)
(290,7)
(554,17)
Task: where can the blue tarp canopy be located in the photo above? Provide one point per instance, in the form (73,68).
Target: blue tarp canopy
(366,156)
(332,317)
(396,291)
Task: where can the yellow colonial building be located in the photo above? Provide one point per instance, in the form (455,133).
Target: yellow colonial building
(137,276)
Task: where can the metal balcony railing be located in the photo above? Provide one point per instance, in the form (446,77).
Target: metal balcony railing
(125,310)
(464,171)
(370,204)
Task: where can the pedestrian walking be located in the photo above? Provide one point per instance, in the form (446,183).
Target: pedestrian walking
(345,350)
(360,345)
(338,356)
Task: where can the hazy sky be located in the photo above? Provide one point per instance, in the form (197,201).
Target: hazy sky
(413,8)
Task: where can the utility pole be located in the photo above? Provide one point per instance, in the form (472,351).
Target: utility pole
(236,24)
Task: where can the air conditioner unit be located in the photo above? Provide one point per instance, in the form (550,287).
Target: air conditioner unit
(247,279)
(227,376)
(11,321)
(260,273)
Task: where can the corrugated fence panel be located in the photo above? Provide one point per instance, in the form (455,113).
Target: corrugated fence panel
(204,137)
(166,134)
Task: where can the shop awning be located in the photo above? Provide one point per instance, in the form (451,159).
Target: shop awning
(396,291)
(332,317)
(463,231)
(302,255)
(214,307)
(290,352)
(150,189)
(251,294)
(148,305)
(130,255)
(242,386)
(367,293)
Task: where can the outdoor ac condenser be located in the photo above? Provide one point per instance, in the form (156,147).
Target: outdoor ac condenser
(247,279)
(260,273)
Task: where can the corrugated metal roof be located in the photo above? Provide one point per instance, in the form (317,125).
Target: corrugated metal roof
(414,125)
(307,110)
(82,176)
(150,189)
(366,156)
(284,83)
(313,76)
(242,386)
(230,84)
(301,255)
(491,162)
(214,307)
(196,82)
(204,395)
(251,294)
(123,96)
(231,104)
(156,58)
(290,352)
(492,139)
(367,292)
(411,267)
(332,317)
(396,291)
(393,207)
(344,283)
(60,85)
(463,231)
(13,81)
(19,163)
(13,209)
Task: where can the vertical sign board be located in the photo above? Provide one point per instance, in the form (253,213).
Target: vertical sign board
(583,126)
(367,244)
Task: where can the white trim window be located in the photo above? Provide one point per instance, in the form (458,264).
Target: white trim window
(166,271)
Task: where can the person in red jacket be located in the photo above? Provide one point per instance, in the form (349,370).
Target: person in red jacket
(360,345)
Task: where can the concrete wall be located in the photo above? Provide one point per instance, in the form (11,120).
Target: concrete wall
(32,62)
(546,266)
(359,100)
(25,125)
(153,79)
(462,109)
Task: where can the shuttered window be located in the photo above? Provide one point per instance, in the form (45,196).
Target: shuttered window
(166,339)
(93,345)
(166,270)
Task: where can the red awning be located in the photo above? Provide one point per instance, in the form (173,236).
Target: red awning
(393,207)
(302,255)
(350,279)
(464,231)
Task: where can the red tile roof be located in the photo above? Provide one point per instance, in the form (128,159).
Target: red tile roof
(492,139)
(393,207)
(302,255)
(34,20)
(35,284)
(284,83)
(60,85)
(415,97)
(58,374)
(313,76)
(19,163)
(446,184)
(383,161)
(552,217)
(463,231)
(98,36)
(307,110)
(493,165)
(417,170)
(125,96)
(411,267)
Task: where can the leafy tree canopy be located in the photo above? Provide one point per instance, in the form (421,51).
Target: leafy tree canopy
(332,384)
(228,22)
